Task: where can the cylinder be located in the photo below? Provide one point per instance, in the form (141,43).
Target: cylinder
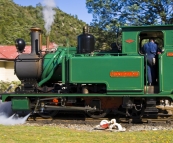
(35,40)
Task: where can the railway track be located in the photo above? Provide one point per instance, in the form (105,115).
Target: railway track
(80,117)
(91,125)
(145,120)
(73,119)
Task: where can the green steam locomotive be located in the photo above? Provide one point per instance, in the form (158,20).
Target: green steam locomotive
(95,82)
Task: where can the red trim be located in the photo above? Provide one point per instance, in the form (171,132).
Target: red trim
(129,40)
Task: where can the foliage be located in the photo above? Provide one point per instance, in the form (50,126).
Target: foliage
(4,86)
(16,21)
(55,134)
(103,38)
(109,15)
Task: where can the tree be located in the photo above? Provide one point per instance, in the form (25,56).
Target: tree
(149,11)
(108,15)
(16,21)
(131,12)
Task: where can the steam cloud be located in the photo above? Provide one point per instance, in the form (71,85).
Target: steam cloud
(48,14)
(12,120)
(7,117)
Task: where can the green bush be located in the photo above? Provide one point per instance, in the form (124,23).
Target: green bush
(5,85)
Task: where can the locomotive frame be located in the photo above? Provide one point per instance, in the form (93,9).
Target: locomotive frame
(81,79)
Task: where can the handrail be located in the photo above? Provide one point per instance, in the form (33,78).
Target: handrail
(146,73)
(52,71)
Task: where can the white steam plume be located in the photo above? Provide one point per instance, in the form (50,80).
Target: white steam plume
(48,14)
(12,120)
(7,117)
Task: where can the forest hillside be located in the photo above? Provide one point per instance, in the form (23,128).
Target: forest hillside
(16,21)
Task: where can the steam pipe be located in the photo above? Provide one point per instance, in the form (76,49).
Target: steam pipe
(40,44)
(35,40)
(47,42)
(60,57)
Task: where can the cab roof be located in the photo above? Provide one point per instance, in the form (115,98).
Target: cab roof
(147,28)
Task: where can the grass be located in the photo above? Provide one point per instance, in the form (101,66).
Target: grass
(55,134)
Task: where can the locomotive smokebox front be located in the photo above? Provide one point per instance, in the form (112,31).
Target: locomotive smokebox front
(29,66)
(86,42)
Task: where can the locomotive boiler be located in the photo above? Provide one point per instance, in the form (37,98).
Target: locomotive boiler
(95,82)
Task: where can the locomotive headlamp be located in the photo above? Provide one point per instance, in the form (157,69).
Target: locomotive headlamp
(20,45)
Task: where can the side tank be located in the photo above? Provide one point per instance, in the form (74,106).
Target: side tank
(29,66)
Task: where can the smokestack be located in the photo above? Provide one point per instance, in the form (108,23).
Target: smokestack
(35,40)
(47,42)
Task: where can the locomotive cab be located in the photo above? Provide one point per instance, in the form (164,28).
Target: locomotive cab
(133,41)
(158,38)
